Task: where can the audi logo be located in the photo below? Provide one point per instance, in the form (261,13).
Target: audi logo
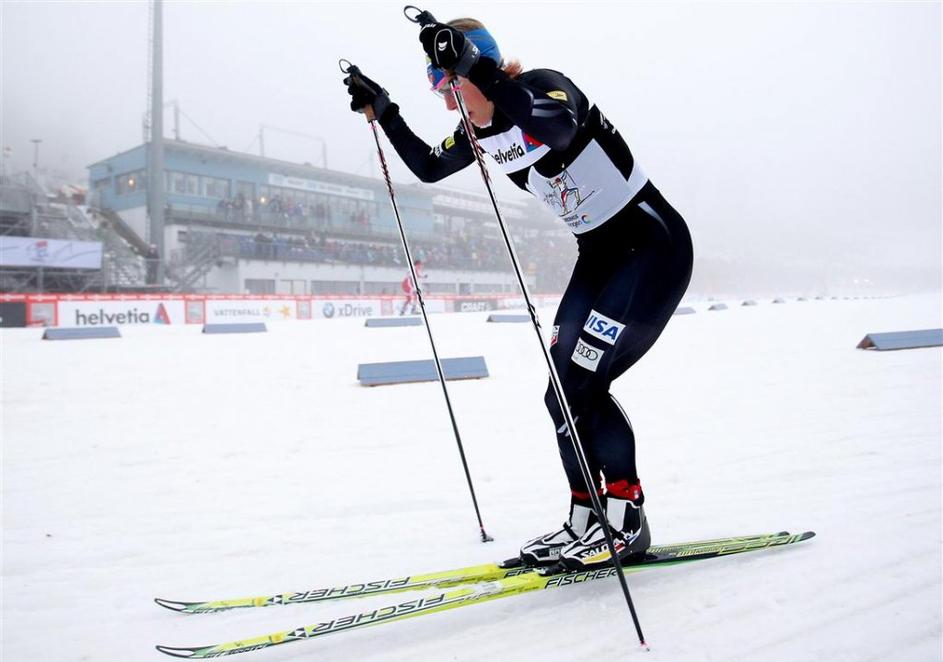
(587,352)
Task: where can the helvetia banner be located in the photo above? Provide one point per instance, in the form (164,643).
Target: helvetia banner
(120,313)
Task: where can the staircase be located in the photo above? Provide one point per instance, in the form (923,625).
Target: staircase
(198,259)
(123,230)
(123,268)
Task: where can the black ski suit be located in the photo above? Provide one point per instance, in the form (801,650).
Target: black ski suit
(635,253)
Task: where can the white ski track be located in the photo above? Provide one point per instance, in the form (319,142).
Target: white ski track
(169,463)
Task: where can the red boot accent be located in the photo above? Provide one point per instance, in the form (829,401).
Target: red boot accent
(583,496)
(622,489)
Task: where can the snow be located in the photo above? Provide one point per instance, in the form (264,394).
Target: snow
(173,464)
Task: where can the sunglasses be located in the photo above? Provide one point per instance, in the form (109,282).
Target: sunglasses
(439,80)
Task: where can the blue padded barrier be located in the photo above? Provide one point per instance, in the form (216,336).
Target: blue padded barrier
(902,340)
(498,317)
(404,372)
(393,321)
(81,333)
(247,327)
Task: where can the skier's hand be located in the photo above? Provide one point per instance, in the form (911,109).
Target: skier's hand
(447,48)
(367,96)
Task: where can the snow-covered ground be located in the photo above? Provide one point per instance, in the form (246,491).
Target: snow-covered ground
(173,464)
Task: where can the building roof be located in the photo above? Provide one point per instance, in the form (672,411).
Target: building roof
(224,153)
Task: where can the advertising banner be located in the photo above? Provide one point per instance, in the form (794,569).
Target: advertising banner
(509,303)
(57,253)
(435,306)
(250,310)
(328,188)
(84,310)
(474,305)
(120,313)
(337,308)
(13,313)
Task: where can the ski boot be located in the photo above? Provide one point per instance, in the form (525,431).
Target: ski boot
(629,527)
(545,550)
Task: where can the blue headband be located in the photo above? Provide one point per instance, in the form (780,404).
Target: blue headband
(487,47)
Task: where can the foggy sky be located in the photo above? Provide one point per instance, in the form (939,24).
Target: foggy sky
(808,132)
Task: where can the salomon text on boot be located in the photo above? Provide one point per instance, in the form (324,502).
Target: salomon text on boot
(628,524)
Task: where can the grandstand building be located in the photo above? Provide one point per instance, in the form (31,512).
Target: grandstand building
(245,224)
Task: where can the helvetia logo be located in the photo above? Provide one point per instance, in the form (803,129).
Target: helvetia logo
(531,143)
(161,316)
(133,316)
(514,152)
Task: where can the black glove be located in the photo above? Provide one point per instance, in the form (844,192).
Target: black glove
(364,92)
(448,48)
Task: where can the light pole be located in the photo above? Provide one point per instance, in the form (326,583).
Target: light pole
(36,142)
(155,152)
(7,152)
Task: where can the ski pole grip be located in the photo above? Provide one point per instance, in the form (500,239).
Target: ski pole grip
(351,69)
(421,16)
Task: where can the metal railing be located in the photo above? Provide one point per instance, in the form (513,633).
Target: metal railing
(264,220)
(121,264)
(199,256)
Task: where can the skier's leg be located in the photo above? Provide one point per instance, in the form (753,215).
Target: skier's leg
(572,311)
(573,307)
(641,297)
(627,317)
(627,283)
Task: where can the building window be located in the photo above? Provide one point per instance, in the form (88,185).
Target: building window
(335,287)
(260,286)
(176,183)
(131,182)
(215,188)
(183,184)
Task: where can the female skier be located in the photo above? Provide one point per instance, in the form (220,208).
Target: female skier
(634,264)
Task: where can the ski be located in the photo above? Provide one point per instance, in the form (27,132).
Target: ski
(486,591)
(444,579)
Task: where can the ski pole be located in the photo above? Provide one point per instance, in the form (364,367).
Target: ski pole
(351,70)
(454,86)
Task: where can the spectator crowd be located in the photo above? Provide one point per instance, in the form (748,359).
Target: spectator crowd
(544,254)
(291,212)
